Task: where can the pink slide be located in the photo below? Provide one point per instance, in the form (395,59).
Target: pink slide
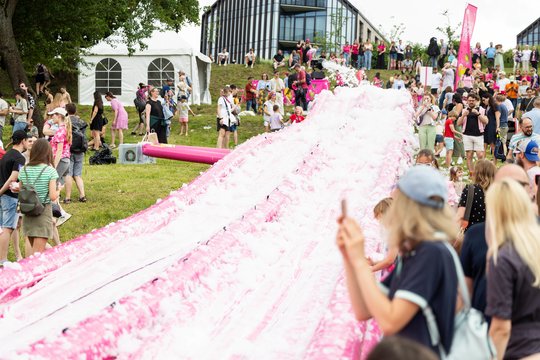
(239,264)
(196,154)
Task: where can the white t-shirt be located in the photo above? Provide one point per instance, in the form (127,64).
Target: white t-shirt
(448,78)
(226,111)
(250,56)
(502,83)
(526,55)
(510,108)
(277,85)
(3,106)
(398,84)
(436,80)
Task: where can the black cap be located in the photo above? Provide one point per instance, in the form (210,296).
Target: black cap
(19,136)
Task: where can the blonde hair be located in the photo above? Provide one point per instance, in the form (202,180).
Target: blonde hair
(409,223)
(382,207)
(57,100)
(511,219)
(453,114)
(69,128)
(484,172)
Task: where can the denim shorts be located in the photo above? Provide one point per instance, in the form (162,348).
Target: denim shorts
(63,170)
(76,164)
(439,138)
(449,143)
(8,215)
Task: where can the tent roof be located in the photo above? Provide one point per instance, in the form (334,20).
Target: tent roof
(160,43)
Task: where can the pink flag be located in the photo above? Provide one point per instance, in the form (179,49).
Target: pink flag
(464,55)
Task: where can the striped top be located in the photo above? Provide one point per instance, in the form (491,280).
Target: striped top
(29,174)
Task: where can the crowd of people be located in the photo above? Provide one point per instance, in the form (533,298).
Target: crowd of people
(50,161)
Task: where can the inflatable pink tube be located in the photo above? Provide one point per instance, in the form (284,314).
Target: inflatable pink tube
(185,153)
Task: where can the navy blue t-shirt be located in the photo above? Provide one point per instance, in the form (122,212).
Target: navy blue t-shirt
(473,260)
(428,272)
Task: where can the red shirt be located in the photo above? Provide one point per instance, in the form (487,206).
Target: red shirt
(301,78)
(249,95)
(297,118)
(447,131)
(355,48)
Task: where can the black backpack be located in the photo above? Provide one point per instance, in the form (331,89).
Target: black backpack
(29,201)
(79,142)
(102,157)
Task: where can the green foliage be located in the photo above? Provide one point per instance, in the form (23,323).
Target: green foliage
(57,32)
(450,32)
(395,33)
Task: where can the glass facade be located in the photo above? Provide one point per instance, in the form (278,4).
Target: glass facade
(531,35)
(266,25)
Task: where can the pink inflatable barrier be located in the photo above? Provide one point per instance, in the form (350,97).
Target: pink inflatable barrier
(240,264)
(185,153)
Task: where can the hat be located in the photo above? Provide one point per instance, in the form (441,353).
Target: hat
(502,73)
(530,150)
(425,186)
(18,136)
(169,79)
(512,78)
(183,97)
(58,110)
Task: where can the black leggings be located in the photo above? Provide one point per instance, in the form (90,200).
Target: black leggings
(161,131)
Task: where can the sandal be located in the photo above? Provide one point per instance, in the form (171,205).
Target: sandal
(67,201)
(82,199)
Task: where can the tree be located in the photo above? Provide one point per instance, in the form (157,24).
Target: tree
(449,31)
(57,32)
(333,39)
(395,33)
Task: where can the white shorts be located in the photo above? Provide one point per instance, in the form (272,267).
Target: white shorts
(473,143)
(266,123)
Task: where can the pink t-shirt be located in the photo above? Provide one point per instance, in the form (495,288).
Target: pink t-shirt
(347,49)
(61,137)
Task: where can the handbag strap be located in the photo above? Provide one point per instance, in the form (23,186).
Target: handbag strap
(469,203)
(36,179)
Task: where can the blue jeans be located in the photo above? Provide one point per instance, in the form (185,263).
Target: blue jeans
(8,213)
(361,59)
(19,125)
(433,60)
(347,57)
(367,55)
(251,104)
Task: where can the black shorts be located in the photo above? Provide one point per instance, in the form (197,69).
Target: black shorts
(40,78)
(222,61)
(433,91)
(221,126)
(399,57)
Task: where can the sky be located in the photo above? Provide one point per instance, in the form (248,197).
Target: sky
(496,20)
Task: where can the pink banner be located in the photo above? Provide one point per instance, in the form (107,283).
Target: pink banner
(464,55)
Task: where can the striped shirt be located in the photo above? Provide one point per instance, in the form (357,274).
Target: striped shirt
(29,174)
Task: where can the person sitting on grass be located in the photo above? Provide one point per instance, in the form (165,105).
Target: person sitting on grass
(298,115)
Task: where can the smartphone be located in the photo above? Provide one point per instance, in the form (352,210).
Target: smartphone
(343,208)
(537,180)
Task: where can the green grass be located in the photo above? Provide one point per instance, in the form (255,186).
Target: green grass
(117,191)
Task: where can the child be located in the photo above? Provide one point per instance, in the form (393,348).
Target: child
(298,115)
(439,131)
(184,109)
(378,212)
(449,135)
(276,119)
(456,177)
(268,110)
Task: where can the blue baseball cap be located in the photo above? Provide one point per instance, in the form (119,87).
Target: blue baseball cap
(425,185)
(530,150)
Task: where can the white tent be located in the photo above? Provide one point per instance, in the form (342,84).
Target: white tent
(108,68)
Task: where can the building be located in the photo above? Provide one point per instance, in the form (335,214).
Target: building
(531,34)
(269,25)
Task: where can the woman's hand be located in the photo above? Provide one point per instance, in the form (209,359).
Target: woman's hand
(354,240)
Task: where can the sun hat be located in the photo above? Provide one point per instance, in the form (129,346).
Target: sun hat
(58,110)
(424,185)
(529,149)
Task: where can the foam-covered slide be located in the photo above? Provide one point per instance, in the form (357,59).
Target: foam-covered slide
(240,264)
(197,154)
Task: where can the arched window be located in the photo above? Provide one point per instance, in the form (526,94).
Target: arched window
(159,71)
(109,76)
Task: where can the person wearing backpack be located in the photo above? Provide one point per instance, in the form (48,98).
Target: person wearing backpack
(40,176)
(10,165)
(420,224)
(79,146)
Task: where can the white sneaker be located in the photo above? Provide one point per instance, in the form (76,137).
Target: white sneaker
(62,219)
(460,160)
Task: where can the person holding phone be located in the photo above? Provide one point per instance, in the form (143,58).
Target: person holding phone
(419,223)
